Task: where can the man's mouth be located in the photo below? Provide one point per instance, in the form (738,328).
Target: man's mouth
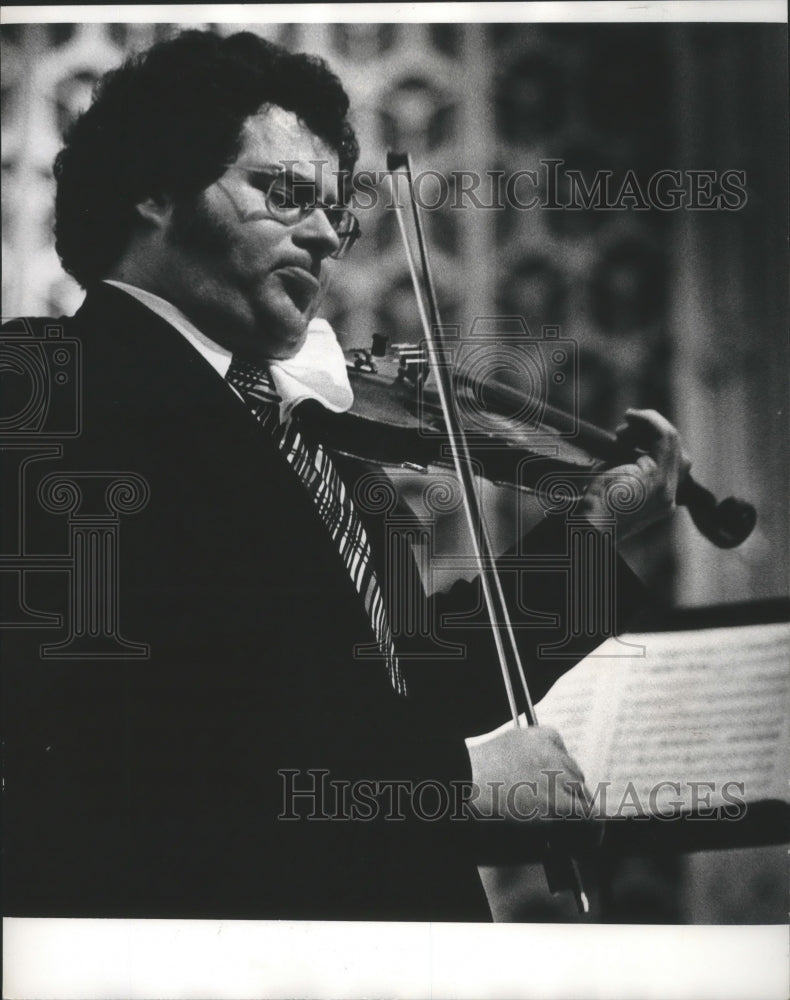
(300,285)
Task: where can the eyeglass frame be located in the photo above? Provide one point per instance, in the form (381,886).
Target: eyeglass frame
(276,172)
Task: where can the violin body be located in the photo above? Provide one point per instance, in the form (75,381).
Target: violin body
(397,420)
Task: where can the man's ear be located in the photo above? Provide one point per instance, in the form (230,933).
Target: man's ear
(155,210)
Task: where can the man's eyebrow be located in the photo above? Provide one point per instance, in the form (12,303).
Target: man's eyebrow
(301,177)
(273,169)
(309,179)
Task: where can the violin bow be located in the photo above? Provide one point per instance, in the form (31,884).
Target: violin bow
(562,871)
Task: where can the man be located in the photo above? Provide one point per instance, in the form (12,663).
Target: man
(187,783)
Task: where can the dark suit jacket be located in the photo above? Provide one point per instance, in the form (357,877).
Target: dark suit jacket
(150,787)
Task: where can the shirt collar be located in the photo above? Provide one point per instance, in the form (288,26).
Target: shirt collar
(218,357)
(317,372)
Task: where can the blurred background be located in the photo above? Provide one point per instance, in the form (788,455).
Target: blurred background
(685,311)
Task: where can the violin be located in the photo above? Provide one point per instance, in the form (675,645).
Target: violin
(399,418)
(515,439)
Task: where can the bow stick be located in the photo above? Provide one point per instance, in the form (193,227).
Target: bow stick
(561,870)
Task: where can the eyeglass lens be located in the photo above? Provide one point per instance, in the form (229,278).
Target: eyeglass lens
(291,200)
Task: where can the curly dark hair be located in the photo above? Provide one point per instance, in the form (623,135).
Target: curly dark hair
(167,121)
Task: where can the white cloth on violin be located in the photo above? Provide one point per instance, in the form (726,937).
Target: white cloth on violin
(318,372)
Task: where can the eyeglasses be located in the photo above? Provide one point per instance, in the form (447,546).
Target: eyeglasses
(289,199)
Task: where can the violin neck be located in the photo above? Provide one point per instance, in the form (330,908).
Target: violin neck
(601,444)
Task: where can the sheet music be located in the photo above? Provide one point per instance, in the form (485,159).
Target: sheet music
(707,707)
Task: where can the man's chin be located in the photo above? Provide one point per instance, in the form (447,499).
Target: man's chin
(280,348)
(284,330)
(289,347)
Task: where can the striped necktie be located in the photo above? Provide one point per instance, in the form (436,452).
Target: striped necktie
(312,464)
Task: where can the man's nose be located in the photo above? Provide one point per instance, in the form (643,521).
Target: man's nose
(315,233)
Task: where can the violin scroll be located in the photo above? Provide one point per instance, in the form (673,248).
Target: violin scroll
(726,523)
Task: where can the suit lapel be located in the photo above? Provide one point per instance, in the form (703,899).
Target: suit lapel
(170,396)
